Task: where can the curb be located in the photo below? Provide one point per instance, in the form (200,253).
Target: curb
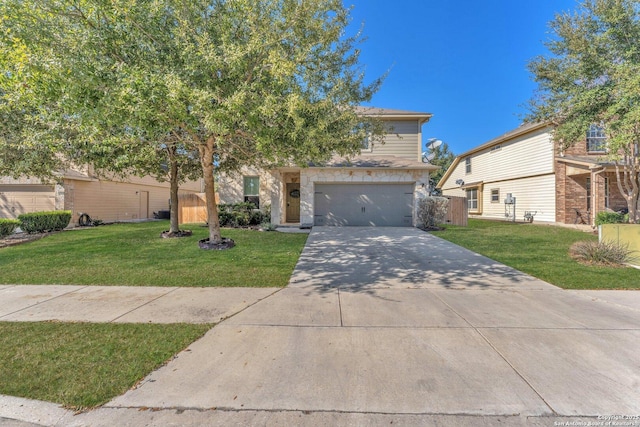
(35,412)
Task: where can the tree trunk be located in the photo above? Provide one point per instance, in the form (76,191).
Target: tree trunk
(174,227)
(206,159)
(628,181)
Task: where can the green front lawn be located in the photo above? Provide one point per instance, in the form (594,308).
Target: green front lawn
(541,251)
(133,254)
(81,365)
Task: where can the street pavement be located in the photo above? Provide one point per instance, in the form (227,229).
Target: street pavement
(378,326)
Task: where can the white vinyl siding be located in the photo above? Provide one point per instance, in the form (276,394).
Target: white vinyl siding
(527,155)
(523,166)
(532,194)
(403,140)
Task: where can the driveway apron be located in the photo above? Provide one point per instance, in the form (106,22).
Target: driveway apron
(398,321)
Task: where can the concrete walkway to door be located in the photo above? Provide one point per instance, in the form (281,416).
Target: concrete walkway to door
(394,325)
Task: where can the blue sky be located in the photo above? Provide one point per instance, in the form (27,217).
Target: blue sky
(463,61)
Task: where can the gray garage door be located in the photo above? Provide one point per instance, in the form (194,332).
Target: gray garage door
(377,204)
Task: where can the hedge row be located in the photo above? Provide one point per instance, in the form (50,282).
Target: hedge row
(41,222)
(8,226)
(241,215)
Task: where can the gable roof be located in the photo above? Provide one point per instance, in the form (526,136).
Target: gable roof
(512,134)
(389,113)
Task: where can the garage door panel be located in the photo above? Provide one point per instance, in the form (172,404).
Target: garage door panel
(19,199)
(364,204)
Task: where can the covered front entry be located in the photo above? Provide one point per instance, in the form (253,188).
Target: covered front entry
(375,204)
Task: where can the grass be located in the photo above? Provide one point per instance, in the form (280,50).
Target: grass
(81,365)
(541,251)
(133,254)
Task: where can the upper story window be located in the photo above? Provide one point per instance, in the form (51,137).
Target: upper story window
(467,165)
(366,143)
(596,139)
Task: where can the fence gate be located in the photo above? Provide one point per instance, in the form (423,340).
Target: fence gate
(192,208)
(457,213)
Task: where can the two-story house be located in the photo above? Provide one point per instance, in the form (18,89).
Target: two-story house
(379,187)
(567,186)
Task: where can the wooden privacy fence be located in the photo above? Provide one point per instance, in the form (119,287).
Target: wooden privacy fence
(192,207)
(457,213)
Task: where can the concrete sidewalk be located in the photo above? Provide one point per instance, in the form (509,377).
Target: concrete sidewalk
(123,304)
(385,326)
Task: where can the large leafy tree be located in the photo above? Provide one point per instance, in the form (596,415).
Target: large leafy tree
(237,82)
(592,76)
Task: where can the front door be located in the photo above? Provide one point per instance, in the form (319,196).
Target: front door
(293,202)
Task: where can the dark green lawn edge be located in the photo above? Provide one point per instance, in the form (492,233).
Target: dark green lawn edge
(133,254)
(84,365)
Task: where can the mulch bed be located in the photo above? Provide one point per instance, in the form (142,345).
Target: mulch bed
(18,238)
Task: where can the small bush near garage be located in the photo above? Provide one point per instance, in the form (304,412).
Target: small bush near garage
(241,215)
(611,218)
(600,253)
(41,222)
(432,211)
(8,226)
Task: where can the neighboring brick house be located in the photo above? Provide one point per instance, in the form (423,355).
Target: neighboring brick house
(566,186)
(378,187)
(586,182)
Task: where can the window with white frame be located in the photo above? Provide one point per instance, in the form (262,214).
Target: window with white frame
(495,195)
(252,190)
(472,199)
(596,139)
(467,165)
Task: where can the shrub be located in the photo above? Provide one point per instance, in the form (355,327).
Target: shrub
(603,253)
(611,218)
(240,215)
(432,211)
(41,222)
(8,226)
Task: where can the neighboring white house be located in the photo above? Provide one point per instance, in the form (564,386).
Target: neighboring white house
(379,187)
(520,163)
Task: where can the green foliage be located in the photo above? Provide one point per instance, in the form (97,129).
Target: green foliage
(226,83)
(443,158)
(592,76)
(240,215)
(82,365)
(611,218)
(131,254)
(603,253)
(8,226)
(41,222)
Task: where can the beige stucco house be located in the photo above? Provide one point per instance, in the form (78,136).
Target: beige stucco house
(379,187)
(566,186)
(81,191)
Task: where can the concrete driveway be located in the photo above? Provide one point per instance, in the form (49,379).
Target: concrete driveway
(395,322)
(387,326)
